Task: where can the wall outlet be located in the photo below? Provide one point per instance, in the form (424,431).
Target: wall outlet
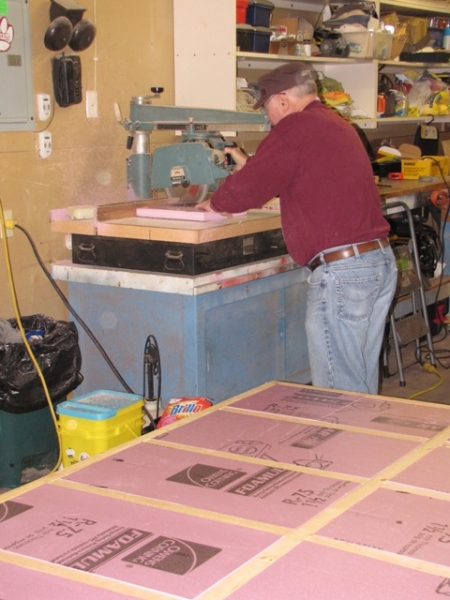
(44,144)
(91,104)
(44,103)
(7,215)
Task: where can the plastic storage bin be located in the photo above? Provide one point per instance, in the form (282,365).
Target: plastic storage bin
(360,43)
(259,13)
(98,421)
(241,11)
(253,39)
(382,45)
(28,446)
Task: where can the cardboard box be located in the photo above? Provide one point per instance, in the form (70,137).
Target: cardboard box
(284,47)
(416,28)
(291,24)
(434,166)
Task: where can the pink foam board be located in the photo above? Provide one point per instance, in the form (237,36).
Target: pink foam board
(305,403)
(409,525)
(267,494)
(156,549)
(432,472)
(316,572)
(381,414)
(321,447)
(183,214)
(20,583)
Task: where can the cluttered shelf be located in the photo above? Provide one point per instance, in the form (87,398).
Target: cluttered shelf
(403,41)
(441,7)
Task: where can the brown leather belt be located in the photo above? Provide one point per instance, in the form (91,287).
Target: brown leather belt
(347,252)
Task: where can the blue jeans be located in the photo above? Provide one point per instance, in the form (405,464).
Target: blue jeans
(347,305)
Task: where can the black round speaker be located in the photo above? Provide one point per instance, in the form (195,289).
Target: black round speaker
(58,34)
(83,35)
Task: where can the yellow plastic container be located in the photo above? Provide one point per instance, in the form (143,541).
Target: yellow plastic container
(98,421)
(425,167)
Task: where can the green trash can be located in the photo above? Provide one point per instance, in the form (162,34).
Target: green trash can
(29,446)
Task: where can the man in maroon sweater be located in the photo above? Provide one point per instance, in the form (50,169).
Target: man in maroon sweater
(332,222)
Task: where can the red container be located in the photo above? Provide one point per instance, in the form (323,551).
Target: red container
(241,10)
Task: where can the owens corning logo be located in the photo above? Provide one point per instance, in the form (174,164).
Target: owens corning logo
(256,482)
(89,561)
(11,509)
(172,555)
(206,476)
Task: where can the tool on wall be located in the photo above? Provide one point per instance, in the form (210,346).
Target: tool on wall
(186,171)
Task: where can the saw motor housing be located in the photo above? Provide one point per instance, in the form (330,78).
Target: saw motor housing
(188,170)
(198,161)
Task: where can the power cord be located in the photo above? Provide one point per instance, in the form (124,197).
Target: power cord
(72,310)
(10,224)
(441,224)
(431,369)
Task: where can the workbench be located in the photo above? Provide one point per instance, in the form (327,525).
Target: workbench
(219,333)
(286,492)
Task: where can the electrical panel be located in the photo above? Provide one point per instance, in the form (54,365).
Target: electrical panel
(16,89)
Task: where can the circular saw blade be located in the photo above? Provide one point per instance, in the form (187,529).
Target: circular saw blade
(187,196)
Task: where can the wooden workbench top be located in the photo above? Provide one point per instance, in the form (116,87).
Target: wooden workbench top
(393,189)
(120,220)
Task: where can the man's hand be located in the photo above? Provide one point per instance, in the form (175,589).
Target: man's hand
(205,206)
(238,155)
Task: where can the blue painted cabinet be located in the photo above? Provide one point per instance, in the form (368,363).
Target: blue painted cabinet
(215,341)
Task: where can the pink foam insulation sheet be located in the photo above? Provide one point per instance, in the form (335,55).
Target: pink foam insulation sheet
(20,583)
(432,472)
(185,213)
(318,446)
(285,492)
(267,494)
(316,572)
(373,412)
(406,524)
(141,545)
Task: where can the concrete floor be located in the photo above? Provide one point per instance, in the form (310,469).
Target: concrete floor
(417,378)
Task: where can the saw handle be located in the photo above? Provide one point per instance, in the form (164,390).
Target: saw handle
(230,162)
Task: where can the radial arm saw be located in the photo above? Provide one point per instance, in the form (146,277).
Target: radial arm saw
(188,170)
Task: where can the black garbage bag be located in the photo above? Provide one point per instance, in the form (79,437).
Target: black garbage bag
(58,354)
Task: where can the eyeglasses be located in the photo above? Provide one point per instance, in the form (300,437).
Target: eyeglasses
(265,105)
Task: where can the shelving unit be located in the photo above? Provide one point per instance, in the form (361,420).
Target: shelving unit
(206,60)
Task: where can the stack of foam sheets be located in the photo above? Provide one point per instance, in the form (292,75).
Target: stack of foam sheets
(286,491)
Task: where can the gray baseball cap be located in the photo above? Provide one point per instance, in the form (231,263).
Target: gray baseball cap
(283,78)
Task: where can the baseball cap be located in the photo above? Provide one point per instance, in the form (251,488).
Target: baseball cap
(283,78)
